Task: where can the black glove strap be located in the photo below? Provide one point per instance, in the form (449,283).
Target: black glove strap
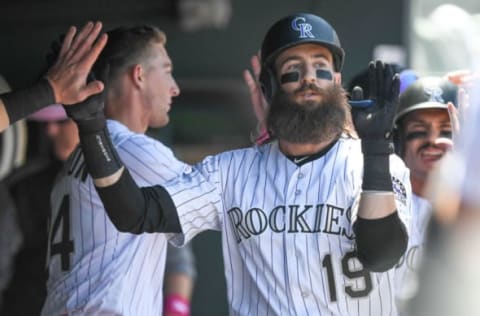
(376,165)
(21,103)
(92,125)
(100,154)
(376,173)
(86,111)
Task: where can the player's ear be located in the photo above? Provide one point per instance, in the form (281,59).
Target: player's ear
(137,75)
(337,78)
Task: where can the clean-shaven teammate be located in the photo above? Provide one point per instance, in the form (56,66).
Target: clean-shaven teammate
(65,82)
(93,268)
(310,226)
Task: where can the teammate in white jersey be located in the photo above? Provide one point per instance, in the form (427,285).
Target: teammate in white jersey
(310,226)
(423,135)
(93,268)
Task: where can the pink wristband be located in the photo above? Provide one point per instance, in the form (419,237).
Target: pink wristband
(175,305)
(263,137)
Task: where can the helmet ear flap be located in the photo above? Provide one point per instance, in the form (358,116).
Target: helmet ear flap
(268,83)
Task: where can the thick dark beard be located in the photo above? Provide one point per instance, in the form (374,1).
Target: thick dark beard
(312,122)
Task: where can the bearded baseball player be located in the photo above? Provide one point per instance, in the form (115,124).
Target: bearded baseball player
(312,222)
(423,135)
(65,82)
(93,268)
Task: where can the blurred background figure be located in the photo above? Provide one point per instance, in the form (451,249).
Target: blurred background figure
(10,239)
(61,131)
(180,275)
(449,275)
(30,188)
(432,39)
(12,141)
(11,156)
(422,137)
(203,14)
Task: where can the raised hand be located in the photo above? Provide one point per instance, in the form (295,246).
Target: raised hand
(68,75)
(458,115)
(92,107)
(463,78)
(373,117)
(259,103)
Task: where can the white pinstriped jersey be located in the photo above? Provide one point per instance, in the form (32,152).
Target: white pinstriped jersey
(407,268)
(94,268)
(287,236)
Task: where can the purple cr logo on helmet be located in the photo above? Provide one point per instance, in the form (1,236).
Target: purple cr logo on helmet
(426,93)
(290,31)
(305,29)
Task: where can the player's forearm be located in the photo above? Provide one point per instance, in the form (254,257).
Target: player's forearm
(109,180)
(376,200)
(376,204)
(381,236)
(130,208)
(181,260)
(178,290)
(137,210)
(21,103)
(178,284)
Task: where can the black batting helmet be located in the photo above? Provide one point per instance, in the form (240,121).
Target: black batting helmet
(424,93)
(292,30)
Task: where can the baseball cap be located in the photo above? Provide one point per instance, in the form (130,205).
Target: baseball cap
(51,113)
(426,93)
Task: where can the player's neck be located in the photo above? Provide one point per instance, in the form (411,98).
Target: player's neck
(295,149)
(126,109)
(418,185)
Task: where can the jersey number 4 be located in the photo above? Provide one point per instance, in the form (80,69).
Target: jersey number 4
(349,273)
(65,246)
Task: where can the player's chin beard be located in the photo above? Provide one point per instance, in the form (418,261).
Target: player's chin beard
(312,122)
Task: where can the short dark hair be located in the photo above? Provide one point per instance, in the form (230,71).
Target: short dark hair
(126,46)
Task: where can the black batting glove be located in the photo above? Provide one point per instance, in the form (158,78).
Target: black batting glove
(89,114)
(373,119)
(100,155)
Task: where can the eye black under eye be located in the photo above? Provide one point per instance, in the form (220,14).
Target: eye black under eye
(446,134)
(416,135)
(324,74)
(290,77)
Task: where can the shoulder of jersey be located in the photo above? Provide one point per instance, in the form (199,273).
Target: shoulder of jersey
(120,134)
(351,145)
(252,150)
(396,163)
